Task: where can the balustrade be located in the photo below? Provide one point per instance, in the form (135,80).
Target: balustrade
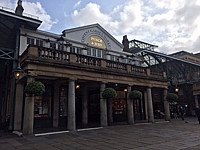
(89,61)
(115,65)
(53,54)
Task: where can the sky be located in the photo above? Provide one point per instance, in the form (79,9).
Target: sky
(173,25)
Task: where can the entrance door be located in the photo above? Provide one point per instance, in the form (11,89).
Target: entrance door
(138,108)
(63,107)
(43,109)
(119,107)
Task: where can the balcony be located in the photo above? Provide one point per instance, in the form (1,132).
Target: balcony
(61,58)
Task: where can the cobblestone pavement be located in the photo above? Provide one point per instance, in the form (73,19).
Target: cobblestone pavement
(174,135)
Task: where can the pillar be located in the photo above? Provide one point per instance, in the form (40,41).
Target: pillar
(56,106)
(130,107)
(146,105)
(166,106)
(103,107)
(85,106)
(71,119)
(18,106)
(196,101)
(150,105)
(28,111)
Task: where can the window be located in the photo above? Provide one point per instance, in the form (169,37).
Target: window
(72,49)
(94,52)
(63,102)
(42,104)
(53,45)
(39,43)
(89,51)
(60,47)
(98,53)
(103,54)
(112,58)
(79,50)
(30,41)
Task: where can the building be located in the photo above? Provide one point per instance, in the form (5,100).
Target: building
(76,66)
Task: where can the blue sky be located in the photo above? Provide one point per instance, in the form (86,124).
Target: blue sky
(172,25)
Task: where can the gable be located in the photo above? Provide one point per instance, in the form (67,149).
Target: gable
(93,35)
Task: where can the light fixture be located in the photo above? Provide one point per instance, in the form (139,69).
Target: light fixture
(125,90)
(176,90)
(77,86)
(18,71)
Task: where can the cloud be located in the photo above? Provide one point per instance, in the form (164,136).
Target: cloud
(34,9)
(77,4)
(172,25)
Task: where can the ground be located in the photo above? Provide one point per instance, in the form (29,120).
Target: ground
(173,135)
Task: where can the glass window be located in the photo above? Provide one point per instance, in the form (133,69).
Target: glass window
(79,50)
(39,43)
(89,51)
(98,53)
(72,49)
(63,102)
(60,47)
(30,41)
(112,58)
(103,54)
(53,45)
(42,104)
(94,52)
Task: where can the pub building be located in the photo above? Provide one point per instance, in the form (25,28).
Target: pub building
(75,67)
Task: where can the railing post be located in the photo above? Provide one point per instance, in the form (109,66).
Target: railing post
(148,72)
(128,68)
(103,63)
(72,58)
(33,51)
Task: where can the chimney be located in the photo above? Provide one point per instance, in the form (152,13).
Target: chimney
(19,9)
(125,42)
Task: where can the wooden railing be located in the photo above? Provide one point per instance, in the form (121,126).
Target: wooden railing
(72,58)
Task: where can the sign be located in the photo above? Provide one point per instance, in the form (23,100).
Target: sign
(96,41)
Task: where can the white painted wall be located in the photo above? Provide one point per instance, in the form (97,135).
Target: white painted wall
(83,35)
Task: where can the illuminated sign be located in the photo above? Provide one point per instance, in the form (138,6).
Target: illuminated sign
(96,41)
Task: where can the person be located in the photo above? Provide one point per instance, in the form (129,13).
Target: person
(198,114)
(182,112)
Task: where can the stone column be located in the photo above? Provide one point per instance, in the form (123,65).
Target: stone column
(166,106)
(196,101)
(103,107)
(71,119)
(130,107)
(18,106)
(56,105)
(85,106)
(150,105)
(28,111)
(146,104)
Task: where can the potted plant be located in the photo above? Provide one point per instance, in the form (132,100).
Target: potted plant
(135,94)
(35,87)
(172,97)
(109,94)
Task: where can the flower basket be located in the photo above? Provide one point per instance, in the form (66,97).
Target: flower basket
(171,97)
(109,93)
(135,95)
(34,88)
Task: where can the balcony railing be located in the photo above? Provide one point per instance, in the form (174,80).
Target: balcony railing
(88,61)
